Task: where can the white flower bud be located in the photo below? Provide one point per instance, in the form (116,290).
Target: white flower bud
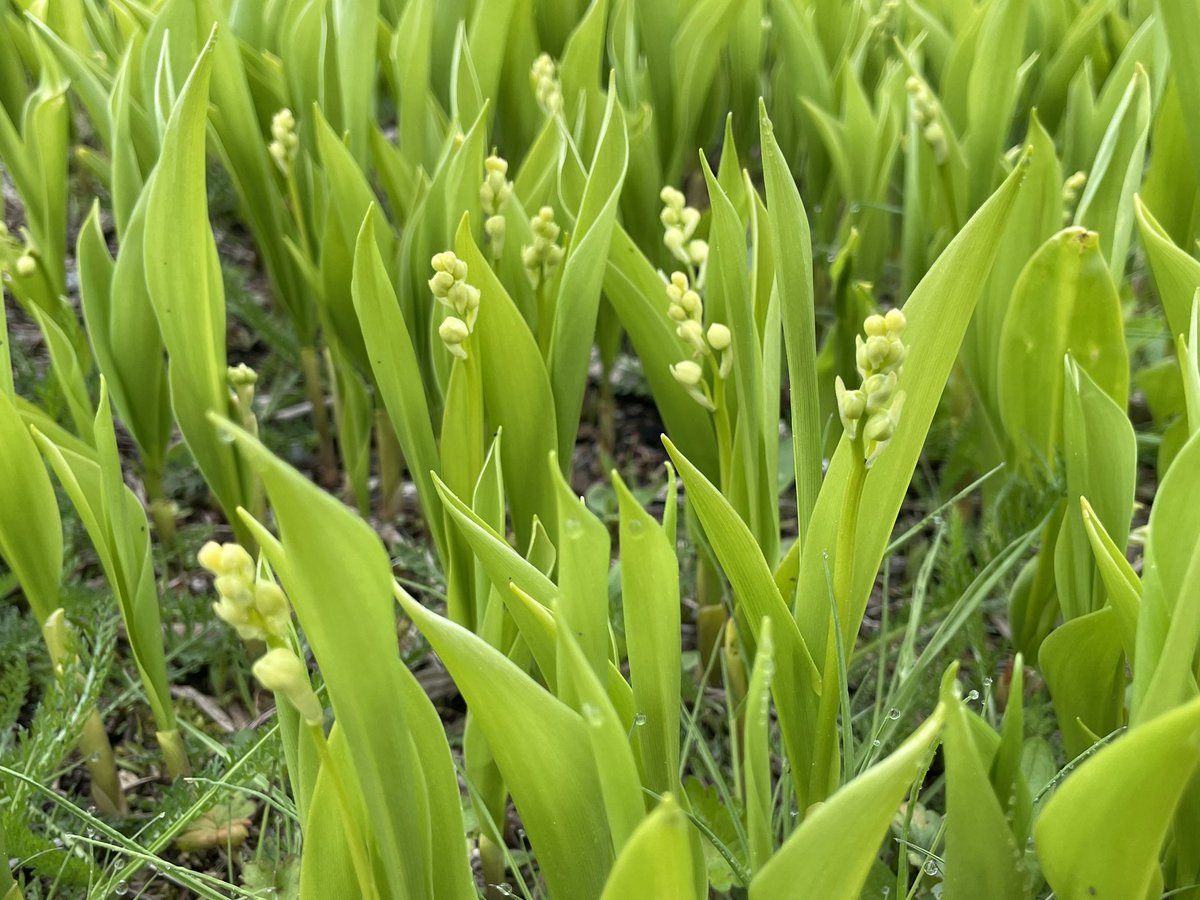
(895,321)
(687,373)
(281,671)
(719,336)
(26,265)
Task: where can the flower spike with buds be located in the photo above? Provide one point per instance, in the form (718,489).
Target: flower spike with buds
(871,413)
(543,76)
(493,195)
(541,258)
(679,223)
(450,288)
(284,140)
(254,606)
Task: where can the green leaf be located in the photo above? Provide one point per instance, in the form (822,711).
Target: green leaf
(1125,796)
(832,851)
(514,382)
(650,603)
(578,295)
(1116,173)
(183,276)
(338,577)
(31,538)
(1064,302)
(792,248)
(543,749)
(656,863)
(1101,464)
(1176,274)
(757,751)
(1083,662)
(982,858)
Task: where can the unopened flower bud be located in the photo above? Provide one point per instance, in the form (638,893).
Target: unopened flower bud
(896,322)
(875,326)
(693,333)
(454,331)
(719,336)
(687,373)
(281,671)
(26,265)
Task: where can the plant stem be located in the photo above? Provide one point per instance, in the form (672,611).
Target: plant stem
(354,839)
(174,753)
(327,459)
(389,464)
(160,506)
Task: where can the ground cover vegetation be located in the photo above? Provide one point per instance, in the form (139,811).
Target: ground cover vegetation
(611,449)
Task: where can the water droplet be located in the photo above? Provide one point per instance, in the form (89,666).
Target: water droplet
(855,208)
(591,713)
(639,719)
(972,695)
(876,743)
(885,890)
(931,867)
(893,714)
(505,889)
(121,889)
(987,682)
(795,813)
(94,758)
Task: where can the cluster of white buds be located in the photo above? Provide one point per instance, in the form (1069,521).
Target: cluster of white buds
(679,223)
(254,606)
(541,258)
(1070,194)
(450,288)
(877,403)
(687,309)
(241,379)
(882,25)
(925,114)
(543,76)
(493,195)
(280,670)
(284,140)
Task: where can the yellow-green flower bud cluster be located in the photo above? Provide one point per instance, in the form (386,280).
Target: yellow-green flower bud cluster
(284,140)
(255,607)
(493,195)
(871,413)
(679,223)
(543,76)
(882,25)
(925,114)
(687,310)
(1070,195)
(280,670)
(541,258)
(450,288)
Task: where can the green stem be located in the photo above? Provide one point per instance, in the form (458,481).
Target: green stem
(327,460)
(724,436)
(354,838)
(824,769)
(160,507)
(545,321)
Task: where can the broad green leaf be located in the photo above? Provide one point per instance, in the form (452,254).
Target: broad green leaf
(650,602)
(1064,302)
(393,358)
(1121,583)
(354,29)
(1169,627)
(832,851)
(338,577)
(584,550)
(578,296)
(1083,662)
(757,751)
(1100,458)
(982,858)
(792,248)
(31,537)
(514,382)
(1101,832)
(1177,17)
(656,862)
(541,745)
(1176,274)
(937,313)
(1116,173)
(183,276)
(797,683)
(581,689)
